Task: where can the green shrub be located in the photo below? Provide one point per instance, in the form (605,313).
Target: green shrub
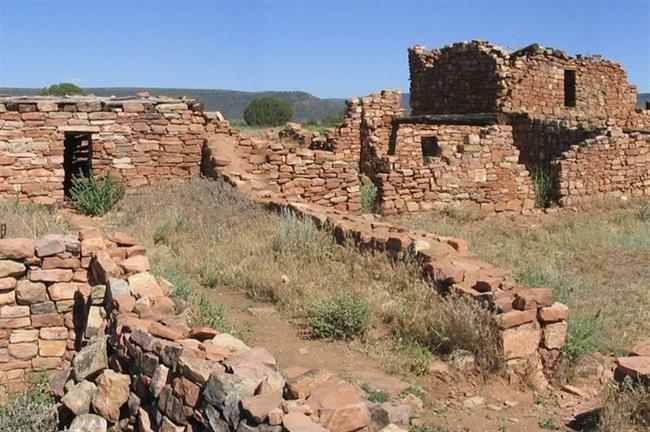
(644,212)
(368,196)
(583,339)
(345,317)
(61,89)
(267,111)
(543,184)
(171,224)
(300,235)
(375,395)
(95,197)
(31,411)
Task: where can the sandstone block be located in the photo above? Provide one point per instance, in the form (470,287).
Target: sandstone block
(144,284)
(79,398)
(533,298)
(555,335)
(10,268)
(7,283)
(88,423)
(23,351)
(28,293)
(53,275)
(258,407)
(556,312)
(112,392)
(521,341)
(17,248)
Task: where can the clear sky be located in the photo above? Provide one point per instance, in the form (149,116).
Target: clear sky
(329,48)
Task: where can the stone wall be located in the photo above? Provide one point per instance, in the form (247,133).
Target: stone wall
(608,165)
(473,77)
(478,164)
(461,78)
(85,310)
(140,141)
(49,301)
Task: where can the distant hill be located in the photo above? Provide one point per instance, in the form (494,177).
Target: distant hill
(231,103)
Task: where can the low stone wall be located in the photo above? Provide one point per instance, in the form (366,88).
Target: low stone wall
(609,165)
(86,310)
(533,325)
(478,164)
(49,301)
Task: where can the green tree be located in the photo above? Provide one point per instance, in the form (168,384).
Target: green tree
(267,111)
(61,89)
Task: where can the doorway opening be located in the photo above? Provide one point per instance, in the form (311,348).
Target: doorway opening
(77,158)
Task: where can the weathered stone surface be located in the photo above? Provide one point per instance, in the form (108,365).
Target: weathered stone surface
(521,341)
(28,293)
(79,397)
(641,349)
(391,413)
(102,267)
(10,268)
(533,298)
(112,392)
(515,318)
(301,386)
(159,380)
(136,264)
(51,348)
(197,369)
(297,422)
(68,290)
(144,284)
(49,245)
(636,367)
(88,423)
(23,351)
(14,311)
(255,364)
(556,312)
(90,360)
(225,391)
(229,342)
(7,283)
(53,275)
(554,334)
(258,407)
(16,248)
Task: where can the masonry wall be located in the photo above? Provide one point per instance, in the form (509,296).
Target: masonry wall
(480,77)
(535,86)
(461,78)
(478,164)
(608,165)
(141,141)
(47,303)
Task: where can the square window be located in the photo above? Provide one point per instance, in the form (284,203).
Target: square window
(430,147)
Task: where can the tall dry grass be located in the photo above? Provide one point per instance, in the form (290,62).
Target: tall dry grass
(597,258)
(216,236)
(26,219)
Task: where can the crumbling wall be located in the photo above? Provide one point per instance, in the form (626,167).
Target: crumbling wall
(461,78)
(541,141)
(477,164)
(50,300)
(536,82)
(608,165)
(141,141)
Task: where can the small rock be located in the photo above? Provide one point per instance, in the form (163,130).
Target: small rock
(474,402)
(79,397)
(88,423)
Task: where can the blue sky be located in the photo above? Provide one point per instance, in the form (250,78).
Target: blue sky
(329,48)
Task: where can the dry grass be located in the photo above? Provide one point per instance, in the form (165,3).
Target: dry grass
(626,407)
(30,220)
(597,258)
(216,236)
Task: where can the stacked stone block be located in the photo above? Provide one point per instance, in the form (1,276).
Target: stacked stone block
(130,362)
(609,165)
(478,164)
(140,141)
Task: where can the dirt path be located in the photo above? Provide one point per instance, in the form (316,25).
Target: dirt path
(449,396)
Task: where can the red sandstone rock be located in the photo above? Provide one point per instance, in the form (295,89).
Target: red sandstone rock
(92,245)
(54,275)
(641,349)
(296,422)
(521,341)
(515,318)
(136,264)
(533,298)
(203,333)
(345,418)
(636,367)
(556,312)
(17,248)
(122,239)
(102,267)
(258,407)
(144,284)
(112,392)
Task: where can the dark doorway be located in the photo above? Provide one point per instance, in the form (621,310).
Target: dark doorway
(430,147)
(569,88)
(77,158)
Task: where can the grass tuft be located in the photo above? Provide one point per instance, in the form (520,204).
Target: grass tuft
(31,411)
(368,196)
(625,407)
(26,219)
(345,317)
(543,184)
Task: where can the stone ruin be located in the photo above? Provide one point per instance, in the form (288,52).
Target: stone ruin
(475,134)
(85,309)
